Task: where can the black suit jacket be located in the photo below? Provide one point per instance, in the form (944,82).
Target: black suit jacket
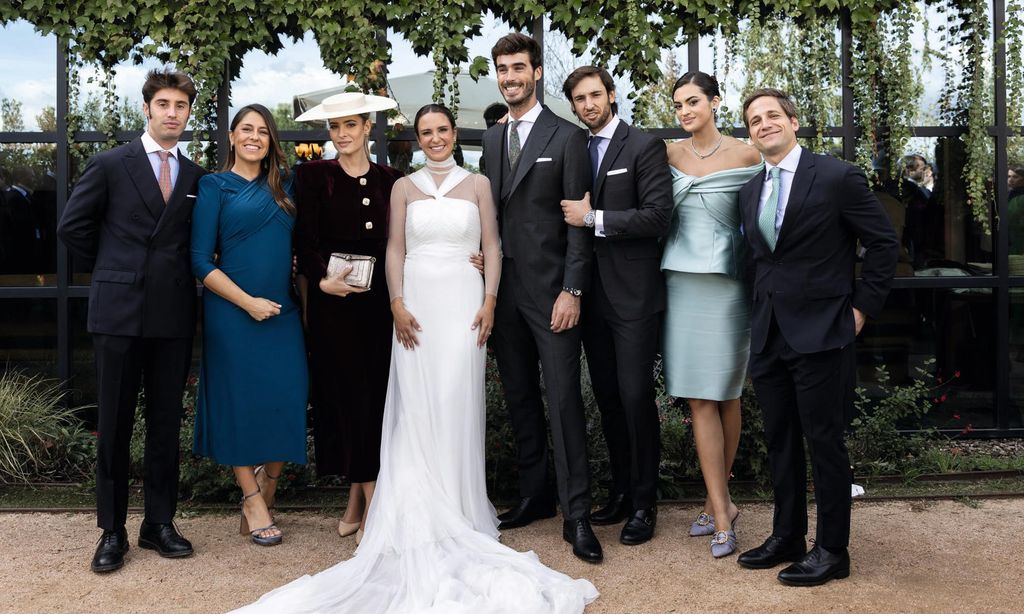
(808,282)
(142,282)
(633,190)
(549,254)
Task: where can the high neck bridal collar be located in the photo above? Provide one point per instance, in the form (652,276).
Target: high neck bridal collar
(442,167)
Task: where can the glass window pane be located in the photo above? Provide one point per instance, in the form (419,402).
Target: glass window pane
(28,214)
(28,335)
(956,328)
(28,90)
(1016,413)
(1015,204)
(928,206)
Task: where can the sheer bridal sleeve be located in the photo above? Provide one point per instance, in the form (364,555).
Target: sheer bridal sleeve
(395,261)
(489,240)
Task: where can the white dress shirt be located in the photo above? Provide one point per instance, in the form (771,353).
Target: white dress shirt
(606,135)
(152,147)
(787,168)
(525,124)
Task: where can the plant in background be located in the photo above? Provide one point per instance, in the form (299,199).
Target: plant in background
(40,438)
(875,443)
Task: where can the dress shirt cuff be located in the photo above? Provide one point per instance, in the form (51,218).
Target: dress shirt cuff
(598,223)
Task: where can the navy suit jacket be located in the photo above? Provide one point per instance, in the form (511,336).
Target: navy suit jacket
(142,283)
(808,283)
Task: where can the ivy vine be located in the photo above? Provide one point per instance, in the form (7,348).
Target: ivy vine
(209,40)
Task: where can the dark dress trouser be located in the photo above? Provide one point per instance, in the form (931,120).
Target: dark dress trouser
(620,358)
(802,396)
(522,337)
(161,365)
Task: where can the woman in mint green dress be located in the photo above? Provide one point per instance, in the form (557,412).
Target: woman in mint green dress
(707,322)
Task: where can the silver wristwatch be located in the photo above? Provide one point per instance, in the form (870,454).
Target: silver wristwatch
(589,218)
(572,291)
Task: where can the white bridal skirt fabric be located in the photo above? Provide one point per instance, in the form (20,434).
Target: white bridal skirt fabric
(431,542)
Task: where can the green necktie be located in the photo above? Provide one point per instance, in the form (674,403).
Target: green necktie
(766,221)
(514,148)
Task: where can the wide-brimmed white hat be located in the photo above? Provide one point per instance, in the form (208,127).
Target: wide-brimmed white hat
(344,105)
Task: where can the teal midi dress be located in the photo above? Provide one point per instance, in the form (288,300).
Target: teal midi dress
(253,383)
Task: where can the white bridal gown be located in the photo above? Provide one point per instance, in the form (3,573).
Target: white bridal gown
(431,541)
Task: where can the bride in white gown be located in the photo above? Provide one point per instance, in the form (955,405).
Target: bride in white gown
(431,541)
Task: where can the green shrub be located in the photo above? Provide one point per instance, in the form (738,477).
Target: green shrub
(40,438)
(875,442)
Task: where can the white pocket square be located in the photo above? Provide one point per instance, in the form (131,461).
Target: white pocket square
(190,196)
(618,171)
(543,159)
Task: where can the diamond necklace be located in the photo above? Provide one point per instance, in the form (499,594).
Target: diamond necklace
(701,156)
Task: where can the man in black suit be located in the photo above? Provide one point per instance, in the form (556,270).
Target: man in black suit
(534,161)
(632,205)
(803,217)
(130,213)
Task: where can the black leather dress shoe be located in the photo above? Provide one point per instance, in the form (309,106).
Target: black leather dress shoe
(618,508)
(640,527)
(526,511)
(110,551)
(817,567)
(580,534)
(165,539)
(773,551)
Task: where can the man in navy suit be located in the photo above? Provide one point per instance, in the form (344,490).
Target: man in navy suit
(632,205)
(804,216)
(130,214)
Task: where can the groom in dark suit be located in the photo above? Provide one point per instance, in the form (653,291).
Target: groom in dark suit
(130,214)
(534,161)
(803,218)
(632,205)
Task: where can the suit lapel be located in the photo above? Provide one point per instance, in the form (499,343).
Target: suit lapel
(615,145)
(140,170)
(187,172)
(802,181)
(540,134)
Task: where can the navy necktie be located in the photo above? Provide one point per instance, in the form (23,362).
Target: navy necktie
(595,156)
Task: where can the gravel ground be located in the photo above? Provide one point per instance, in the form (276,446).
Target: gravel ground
(907,557)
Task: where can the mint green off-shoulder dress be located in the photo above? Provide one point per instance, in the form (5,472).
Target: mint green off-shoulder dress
(707,319)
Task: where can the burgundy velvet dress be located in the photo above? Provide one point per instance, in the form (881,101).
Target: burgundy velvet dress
(349,339)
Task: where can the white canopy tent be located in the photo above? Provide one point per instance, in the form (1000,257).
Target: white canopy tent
(415,91)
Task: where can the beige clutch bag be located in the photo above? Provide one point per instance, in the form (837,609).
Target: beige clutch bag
(362,268)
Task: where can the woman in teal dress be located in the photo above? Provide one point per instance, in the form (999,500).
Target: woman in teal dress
(707,320)
(251,405)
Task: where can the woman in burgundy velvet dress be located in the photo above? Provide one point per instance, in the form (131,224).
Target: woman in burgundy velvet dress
(343,207)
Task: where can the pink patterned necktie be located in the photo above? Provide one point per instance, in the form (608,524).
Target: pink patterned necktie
(165,175)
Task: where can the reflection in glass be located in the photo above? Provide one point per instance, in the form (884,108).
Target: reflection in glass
(28,335)
(28,214)
(1015,204)
(956,328)
(928,207)
(1016,413)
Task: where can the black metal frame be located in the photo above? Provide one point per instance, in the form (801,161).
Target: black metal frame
(1000,282)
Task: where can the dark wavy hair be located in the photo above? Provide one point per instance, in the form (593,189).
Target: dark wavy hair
(517,42)
(273,167)
(168,78)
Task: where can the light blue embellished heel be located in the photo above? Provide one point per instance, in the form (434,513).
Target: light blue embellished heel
(723,544)
(704,525)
